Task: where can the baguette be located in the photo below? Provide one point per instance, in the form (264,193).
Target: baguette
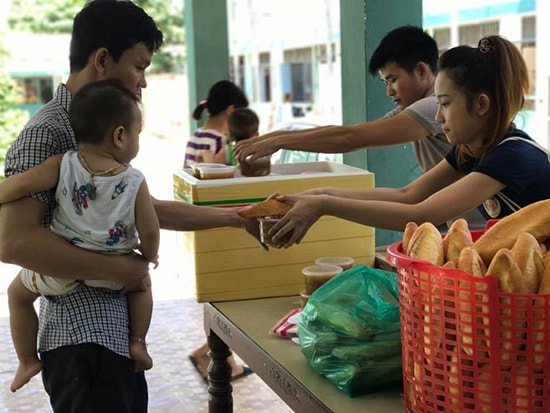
(528,255)
(470,262)
(456,240)
(533,218)
(460,223)
(539,326)
(510,280)
(407,234)
(427,244)
(544,286)
(506,270)
(268,208)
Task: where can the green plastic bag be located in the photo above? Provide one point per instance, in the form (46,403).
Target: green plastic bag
(350,333)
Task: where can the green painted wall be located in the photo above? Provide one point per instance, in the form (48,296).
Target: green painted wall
(363,24)
(207,48)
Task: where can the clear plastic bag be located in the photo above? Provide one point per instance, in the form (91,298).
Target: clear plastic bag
(349,330)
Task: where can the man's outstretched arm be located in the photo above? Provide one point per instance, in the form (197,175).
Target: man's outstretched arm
(25,242)
(396,130)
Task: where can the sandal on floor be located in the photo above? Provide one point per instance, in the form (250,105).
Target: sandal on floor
(197,367)
(247,371)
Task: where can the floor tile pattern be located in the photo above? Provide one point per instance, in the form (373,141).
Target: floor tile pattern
(174,385)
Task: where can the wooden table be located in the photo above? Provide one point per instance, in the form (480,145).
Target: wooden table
(244,327)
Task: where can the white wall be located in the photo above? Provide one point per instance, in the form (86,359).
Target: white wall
(166,111)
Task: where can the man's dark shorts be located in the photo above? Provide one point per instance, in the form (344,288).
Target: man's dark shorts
(88,378)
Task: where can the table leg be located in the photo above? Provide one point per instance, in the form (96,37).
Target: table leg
(220,398)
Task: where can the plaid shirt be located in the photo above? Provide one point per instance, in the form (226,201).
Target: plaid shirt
(85,315)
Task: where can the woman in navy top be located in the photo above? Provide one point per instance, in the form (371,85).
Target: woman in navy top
(491,165)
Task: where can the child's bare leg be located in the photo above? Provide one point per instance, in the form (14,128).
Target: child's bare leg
(140,309)
(24,329)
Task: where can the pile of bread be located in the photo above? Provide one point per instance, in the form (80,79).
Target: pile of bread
(513,249)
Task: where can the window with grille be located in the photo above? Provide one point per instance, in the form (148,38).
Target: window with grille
(265,77)
(470,34)
(443,38)
(297,74)
(528,50)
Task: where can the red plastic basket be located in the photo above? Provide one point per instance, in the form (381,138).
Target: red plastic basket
(466,346)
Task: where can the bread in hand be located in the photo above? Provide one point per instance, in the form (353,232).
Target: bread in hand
(268,208)
(426,244)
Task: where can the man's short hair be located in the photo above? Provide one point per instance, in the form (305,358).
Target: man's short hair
(117,25)
(406,46)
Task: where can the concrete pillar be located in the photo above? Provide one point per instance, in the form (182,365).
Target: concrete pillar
(363,24)
(207,48)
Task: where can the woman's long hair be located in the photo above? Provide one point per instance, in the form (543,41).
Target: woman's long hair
(495,68)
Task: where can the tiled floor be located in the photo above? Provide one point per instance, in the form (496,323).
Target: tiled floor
(177,329)
(174,385)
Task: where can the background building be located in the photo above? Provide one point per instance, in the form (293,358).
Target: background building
(37,63)
(464,22)
(287,58)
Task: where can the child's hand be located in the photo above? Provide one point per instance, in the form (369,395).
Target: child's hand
(211,157)
(155,262)
(205,157)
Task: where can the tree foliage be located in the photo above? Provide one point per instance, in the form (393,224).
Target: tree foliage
(11,120)
(43,16)
(56,16)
